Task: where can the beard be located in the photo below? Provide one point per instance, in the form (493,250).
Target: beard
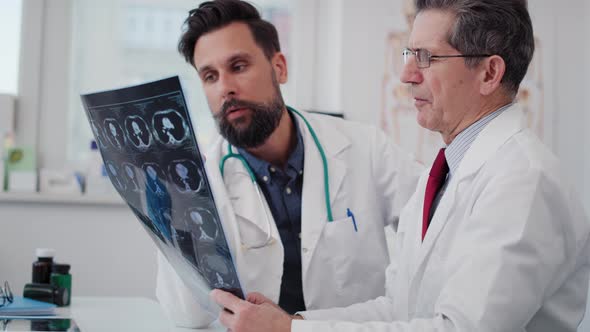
(264,119)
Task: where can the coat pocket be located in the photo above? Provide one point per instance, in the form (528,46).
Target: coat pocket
(358,258)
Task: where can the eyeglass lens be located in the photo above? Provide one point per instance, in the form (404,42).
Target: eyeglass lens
(422,57)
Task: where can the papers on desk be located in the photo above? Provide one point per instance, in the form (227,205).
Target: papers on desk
(148,145)
(22,306)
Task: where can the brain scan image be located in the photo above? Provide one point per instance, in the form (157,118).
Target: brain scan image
(115,176)
(114,133)
(170,127)
(204,223)
(154,179)
(138,132)
(186,176)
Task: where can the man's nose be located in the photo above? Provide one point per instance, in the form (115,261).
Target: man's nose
(228,86)
(410,72)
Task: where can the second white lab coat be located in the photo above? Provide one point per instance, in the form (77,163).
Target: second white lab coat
(507,248)
(367,174)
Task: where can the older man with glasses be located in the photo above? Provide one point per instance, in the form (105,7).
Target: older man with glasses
(493,238)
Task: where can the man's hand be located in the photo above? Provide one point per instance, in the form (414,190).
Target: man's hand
(257,298)
(260,316)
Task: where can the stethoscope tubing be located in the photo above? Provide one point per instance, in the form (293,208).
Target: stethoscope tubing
(316,140)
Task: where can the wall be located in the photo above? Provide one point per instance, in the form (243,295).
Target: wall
(571,90)
(364,26)
(108,249)
(586,142)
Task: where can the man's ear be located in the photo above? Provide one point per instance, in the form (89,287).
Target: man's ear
(279,64)
(493,69)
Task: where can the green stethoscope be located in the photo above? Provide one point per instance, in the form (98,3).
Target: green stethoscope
(232,154)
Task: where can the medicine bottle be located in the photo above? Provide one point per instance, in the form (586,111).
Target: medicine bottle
(42,267)
(60,277)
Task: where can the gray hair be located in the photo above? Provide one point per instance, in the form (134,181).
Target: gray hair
(499,27)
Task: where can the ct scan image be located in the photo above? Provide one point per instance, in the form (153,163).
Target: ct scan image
(204,224)
(186,244)
(186,176)
(114,133)
(216,269)
(131,177)
(98,136)
(162,220)
(170,127)
(155,179)
(138,132)
(115,176)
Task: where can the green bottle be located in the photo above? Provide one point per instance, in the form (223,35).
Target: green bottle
(61,277)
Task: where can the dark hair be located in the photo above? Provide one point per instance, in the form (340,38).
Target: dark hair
(500,27)
(216,14)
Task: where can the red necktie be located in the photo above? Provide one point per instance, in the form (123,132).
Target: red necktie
(438,175)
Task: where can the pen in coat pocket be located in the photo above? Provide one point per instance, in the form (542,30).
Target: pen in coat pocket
(351,215)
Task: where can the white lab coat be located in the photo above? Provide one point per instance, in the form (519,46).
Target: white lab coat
(507,248)
(367,174)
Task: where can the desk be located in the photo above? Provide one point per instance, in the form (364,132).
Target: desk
(114,314)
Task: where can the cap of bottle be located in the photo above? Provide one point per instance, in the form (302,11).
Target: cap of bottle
(93,145)
(45,252)
(60,268)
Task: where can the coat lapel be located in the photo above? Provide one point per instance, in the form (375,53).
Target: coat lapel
(243,215)
(313,205)
(244,198)
(489,140)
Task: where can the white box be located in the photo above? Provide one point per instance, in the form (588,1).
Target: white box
(22,181)
(58,182)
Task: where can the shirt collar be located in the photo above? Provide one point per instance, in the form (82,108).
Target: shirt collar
(263,168)
(455,151)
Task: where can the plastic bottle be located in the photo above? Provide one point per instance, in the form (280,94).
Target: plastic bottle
(42,267)
(61,277)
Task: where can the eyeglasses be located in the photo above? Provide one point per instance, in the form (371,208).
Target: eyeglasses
(5,295)
(423,57)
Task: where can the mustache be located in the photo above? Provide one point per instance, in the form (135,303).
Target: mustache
(237,103)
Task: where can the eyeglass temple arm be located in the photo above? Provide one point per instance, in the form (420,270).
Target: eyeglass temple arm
(460,56)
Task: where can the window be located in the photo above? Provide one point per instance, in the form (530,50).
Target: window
(10,27)
(119,43)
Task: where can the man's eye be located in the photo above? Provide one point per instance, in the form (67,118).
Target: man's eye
(209,78)
(239,67)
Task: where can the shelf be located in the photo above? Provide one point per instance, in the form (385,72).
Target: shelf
(9,197)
